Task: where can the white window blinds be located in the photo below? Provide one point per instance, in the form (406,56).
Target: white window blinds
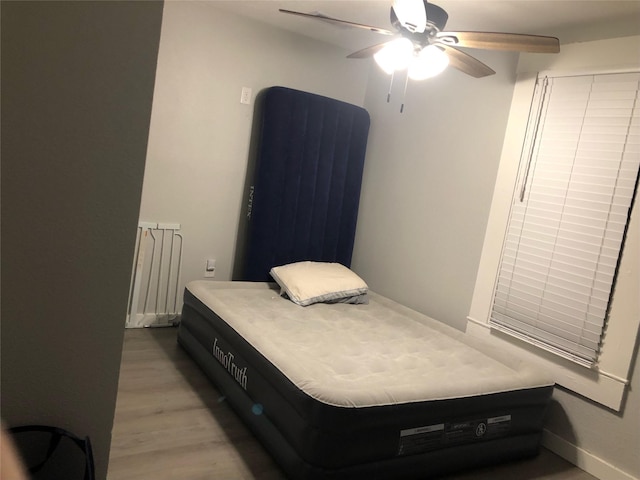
(569,214)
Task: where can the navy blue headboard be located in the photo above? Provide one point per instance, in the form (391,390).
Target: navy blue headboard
(304,195)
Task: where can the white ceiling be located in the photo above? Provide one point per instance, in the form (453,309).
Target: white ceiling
(569,20)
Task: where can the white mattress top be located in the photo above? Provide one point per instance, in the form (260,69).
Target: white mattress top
(364,355)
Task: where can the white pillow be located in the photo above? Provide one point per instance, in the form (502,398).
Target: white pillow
(313,282)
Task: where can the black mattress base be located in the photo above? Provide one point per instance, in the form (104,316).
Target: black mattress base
(418,466)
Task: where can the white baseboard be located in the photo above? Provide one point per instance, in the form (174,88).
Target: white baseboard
(583,459)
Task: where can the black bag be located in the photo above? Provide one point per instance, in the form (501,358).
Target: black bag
(51,453)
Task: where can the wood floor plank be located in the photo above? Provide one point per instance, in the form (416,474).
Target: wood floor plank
(171,423)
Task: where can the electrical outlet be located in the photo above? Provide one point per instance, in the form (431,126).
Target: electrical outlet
(245,96)
(210,268)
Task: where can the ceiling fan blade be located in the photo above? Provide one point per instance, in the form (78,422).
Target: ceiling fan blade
(500,41)
(336,21)
(466,63)
(412,15)
(367,52)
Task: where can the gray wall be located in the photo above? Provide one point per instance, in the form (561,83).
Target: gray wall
(428,184)
(77,85)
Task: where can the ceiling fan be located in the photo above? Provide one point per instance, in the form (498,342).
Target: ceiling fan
(425,49)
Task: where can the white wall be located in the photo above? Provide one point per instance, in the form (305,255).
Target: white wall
(199,140)
(428,182)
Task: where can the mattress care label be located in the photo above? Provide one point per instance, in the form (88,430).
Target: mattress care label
(432,437)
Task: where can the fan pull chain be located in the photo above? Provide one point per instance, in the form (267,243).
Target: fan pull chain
(404,94)
(390,85)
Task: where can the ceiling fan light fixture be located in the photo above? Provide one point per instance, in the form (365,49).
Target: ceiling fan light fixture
(421,23)
(395,55)
(430,62)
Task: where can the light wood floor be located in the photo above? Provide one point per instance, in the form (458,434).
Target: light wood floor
(171,423)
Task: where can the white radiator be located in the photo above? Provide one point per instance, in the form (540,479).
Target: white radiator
(155,279)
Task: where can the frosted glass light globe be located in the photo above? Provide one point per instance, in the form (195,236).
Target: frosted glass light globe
(428,63)
(395,55)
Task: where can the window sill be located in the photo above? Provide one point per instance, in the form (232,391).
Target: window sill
(599,386)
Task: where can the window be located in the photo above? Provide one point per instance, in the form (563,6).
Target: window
(569,213)
(607,381)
